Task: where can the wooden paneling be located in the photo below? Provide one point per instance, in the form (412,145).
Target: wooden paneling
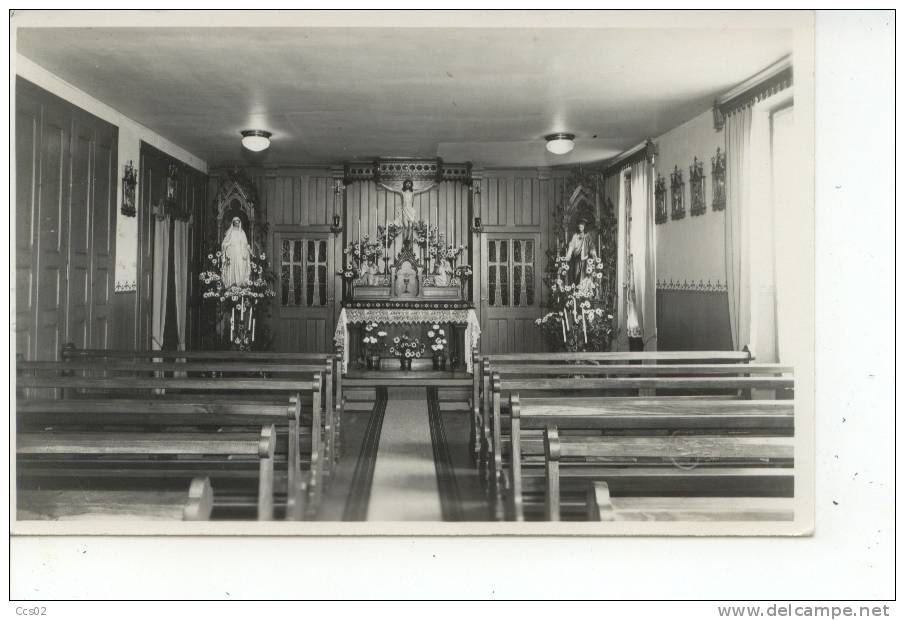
(65,224)
(297,203)
(28,149)
(300,202)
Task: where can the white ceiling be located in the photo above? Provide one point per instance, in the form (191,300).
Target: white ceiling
(487,95)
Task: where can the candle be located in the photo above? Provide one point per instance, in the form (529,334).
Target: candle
(253,330)
(563,323)
(584,325)
(232,324)
(565,318)
(386,230)
(242,308)
(359,234)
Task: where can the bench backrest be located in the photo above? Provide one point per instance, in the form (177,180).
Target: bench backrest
(104,443)
(654,447)
(71,353)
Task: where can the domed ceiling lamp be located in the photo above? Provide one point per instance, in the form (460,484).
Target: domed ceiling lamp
(560,143)
(256,139)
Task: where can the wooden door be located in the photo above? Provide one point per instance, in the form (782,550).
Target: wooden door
(510,292)
(28,154)
(103,237)
(79,244)
(303,316)
(51,236)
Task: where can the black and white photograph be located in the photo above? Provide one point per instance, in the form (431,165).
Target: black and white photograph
(369,304)
(304,279)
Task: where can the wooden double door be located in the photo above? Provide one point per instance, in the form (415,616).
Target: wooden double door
(65,222)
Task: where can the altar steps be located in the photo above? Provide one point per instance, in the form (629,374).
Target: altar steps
(400,378)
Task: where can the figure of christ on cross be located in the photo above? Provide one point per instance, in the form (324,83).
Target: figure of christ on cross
(408,206)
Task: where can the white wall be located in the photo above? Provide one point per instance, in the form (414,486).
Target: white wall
(691,248)
(131,134)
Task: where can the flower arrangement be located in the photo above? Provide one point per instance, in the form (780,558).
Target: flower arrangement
(406,347)
(242,300)
(351,272)
(423,235)
(373,339)
(364,251)
(439,249)
(393,229)
(585,329)
(438,340)
(464,272)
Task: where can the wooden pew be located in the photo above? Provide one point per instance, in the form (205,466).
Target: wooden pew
(213,368)
(663,451)
(554,364)
(625,389)
(61,458)
(592,392)
(148,505)
(332,382)
(603,507)
(194,406)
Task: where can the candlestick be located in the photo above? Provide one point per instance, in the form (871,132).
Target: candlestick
(359,236)
(232,325)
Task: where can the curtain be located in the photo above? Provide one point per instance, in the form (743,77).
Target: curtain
(180,270)
(611,192)
(761,236)
(620,342)
(159,302)
(644,253)
(738,258)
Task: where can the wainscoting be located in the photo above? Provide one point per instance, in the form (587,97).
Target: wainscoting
(692,317)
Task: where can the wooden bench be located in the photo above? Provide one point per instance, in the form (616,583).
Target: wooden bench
(332,382)
(147,505)
(284,371)
(62,460)
(603,507)
(664,451)
(556,364)
(200,402)
(593,392)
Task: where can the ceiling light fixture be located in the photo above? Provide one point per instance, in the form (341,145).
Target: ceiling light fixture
(256,139)
(560,143)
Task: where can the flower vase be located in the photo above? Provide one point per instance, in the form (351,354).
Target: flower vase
(439,362)
(405,363)
(374,362)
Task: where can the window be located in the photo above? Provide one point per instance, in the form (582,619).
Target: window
(510,272)
(303,272)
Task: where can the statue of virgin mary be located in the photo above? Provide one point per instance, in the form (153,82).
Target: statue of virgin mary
(237,266)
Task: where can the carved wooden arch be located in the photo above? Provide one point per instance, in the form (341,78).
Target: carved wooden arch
(237,196)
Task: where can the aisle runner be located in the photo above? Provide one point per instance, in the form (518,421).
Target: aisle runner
(360,490)
(404,486)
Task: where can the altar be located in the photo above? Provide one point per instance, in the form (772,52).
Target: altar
(465,330)
(407,267)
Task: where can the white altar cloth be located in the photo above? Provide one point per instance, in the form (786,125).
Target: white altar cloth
(399,315)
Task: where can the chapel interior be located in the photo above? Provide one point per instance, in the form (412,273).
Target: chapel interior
(390,273)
